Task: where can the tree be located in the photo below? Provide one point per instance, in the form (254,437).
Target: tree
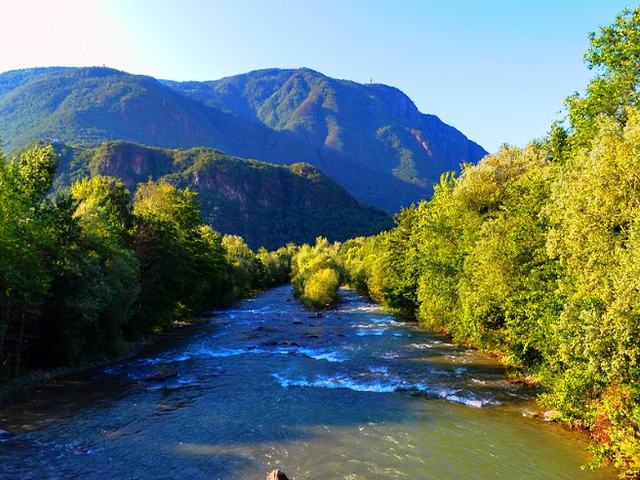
(614,55)
(167,241)
(596,236)
(26,243)
(306,263)
(247,270)
(320,288)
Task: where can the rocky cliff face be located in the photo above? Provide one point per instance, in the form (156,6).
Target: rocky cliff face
(269,205)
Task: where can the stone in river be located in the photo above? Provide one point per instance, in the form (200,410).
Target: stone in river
(551,415)
(160,375)
(531,414)
(81,449)
(277,475)
(265,329)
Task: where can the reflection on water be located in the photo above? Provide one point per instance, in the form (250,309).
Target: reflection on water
(354,394)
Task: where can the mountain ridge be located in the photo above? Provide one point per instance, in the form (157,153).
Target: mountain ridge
(268,205)
(371,138)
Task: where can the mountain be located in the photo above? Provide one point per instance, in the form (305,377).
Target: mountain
(370,138)
(375,125)
(268,205)
(90,105)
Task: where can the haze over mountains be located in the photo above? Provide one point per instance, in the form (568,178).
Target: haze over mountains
(370,138)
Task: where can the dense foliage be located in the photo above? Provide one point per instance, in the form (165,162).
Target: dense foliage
(83,274)
(316,274)
(268,205)
(534,254)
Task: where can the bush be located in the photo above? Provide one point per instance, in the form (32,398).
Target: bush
(306,263)
(321,289)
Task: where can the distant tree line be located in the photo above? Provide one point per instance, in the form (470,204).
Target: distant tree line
(534,253)
(85,272)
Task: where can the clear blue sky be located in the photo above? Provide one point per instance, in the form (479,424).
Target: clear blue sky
(497,70)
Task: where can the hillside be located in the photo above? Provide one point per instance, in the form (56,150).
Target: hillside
(374,125)
(369,138)
(91,105)
(269,205)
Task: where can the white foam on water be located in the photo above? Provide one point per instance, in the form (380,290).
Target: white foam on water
(366,308)
(370,333)
(421,346)
(339,381)
(199,353)
(458,371)
(390,355)
(208,353)
(431,344)
(317,354)
(388,385)
(384,370)
(367,326)
(234,312)
(180,383)
(454,396)
(381,320)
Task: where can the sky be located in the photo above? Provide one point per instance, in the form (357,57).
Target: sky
(496,70)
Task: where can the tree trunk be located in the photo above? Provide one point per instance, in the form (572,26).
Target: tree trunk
(3,332)
(19,342)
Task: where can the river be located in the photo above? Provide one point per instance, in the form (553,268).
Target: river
(352,394)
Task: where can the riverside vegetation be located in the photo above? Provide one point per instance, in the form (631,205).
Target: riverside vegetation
(316,274)
(86,272)
(267,205)
(534,253)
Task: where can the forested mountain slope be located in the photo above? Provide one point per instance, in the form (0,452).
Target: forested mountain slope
(371,124)
(268,205)
(369,138)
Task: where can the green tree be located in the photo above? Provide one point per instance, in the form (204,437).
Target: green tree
(309,260)
(320,289)
(402,266)
(167,240)
(276,265)
(26,242)
(247,269)
(595,235)
(614,55)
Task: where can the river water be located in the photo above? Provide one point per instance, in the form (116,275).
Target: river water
(352,394)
